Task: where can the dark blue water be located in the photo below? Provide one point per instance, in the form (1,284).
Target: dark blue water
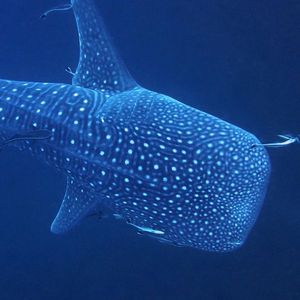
(238,60)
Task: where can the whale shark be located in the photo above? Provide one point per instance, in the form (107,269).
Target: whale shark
(171,171)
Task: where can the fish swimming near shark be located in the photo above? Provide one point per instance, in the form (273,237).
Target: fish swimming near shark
(172,171)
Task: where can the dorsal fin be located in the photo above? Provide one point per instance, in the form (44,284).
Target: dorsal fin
(100,67)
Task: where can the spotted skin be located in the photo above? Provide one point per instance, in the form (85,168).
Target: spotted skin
(170,170)
(100,67)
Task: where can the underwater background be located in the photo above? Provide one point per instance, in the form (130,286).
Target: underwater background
(238,60)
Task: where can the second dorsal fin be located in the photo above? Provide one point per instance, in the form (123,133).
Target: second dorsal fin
(100,67)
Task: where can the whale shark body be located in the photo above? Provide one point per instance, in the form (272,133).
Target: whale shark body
(170,170)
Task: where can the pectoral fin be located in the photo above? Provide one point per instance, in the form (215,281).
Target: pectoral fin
(77,204)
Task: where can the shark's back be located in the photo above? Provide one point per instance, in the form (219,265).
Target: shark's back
(178,171)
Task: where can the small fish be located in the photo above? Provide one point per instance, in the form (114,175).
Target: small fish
(42,134)
(287,140)
(165,241)
(69,70)
(63,7)
(148,230)
(118,217)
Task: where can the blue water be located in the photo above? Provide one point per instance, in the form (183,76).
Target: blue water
(238,61)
